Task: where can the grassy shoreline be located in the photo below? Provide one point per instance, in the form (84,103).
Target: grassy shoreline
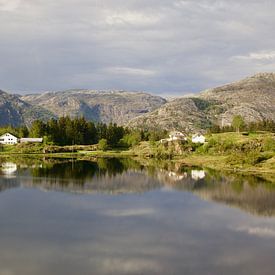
(205,161)
(235,152)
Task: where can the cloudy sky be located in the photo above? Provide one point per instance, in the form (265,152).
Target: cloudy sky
(160,46)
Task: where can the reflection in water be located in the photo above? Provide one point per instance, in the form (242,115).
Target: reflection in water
(153,228)
(8,169)
(197,174)
(118,176)
(249,193)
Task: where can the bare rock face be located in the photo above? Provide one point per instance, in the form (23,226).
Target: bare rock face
(253,98)
(179,114)
(15,112)
(105,106)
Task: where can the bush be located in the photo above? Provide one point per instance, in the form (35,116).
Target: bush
(130,140)
(102,144)
(249,158)
(161,152)
(269,144)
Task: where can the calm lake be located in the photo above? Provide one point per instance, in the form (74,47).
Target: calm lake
(116,216)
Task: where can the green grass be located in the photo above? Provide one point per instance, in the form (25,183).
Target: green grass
(108,153)
(224,151)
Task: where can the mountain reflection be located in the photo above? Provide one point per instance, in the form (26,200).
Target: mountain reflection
(118,176)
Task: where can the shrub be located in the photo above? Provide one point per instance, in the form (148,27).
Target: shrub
(102,144)
(161,152)
(269,144)
(131,139)
(250,158)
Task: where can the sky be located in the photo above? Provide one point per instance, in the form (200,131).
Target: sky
(166,47)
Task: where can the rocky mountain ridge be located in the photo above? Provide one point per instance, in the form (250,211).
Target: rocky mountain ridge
(252,97)
(15,112)
(105,106)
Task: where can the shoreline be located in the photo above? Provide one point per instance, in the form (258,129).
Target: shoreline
(204,161)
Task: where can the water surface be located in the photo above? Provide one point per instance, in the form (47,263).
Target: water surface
(120,217)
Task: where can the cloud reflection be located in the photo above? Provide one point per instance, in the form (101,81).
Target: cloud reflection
(130,212)
(258,231)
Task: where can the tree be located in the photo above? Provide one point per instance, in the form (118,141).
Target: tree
(92,136)
(38,129)
(238,122)
(103,145)
(114,134)
(23,131)
(132,139)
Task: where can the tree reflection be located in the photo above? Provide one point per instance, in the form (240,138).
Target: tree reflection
(251,193)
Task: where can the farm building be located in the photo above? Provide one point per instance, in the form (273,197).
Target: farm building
(8,139)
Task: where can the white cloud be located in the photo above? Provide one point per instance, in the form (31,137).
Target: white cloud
(9,5)
(131,71)
(261,55)
(207,5)
(133,18)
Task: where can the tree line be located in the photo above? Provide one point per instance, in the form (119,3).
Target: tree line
(79,131)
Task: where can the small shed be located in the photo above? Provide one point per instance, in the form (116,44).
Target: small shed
(31,140)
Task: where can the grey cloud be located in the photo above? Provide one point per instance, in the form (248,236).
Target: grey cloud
(159,46)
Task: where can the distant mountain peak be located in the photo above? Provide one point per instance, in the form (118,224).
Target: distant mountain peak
(118,106)
(252,97)
(265,75)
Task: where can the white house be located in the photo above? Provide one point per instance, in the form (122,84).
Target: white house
(175,136)
(8,139)
(198,138)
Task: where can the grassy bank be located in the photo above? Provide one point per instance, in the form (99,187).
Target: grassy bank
(254,152)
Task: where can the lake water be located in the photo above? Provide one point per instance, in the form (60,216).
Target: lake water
(120,217)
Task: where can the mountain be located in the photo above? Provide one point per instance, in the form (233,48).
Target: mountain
(15,112)
(179,114)
(106,106)
(253,98)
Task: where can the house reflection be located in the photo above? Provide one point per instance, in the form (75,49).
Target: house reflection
(197,174)
(8,169)
(123,176)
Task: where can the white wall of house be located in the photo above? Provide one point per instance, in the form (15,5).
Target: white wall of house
(8,139)
(176,136)
(198,139)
